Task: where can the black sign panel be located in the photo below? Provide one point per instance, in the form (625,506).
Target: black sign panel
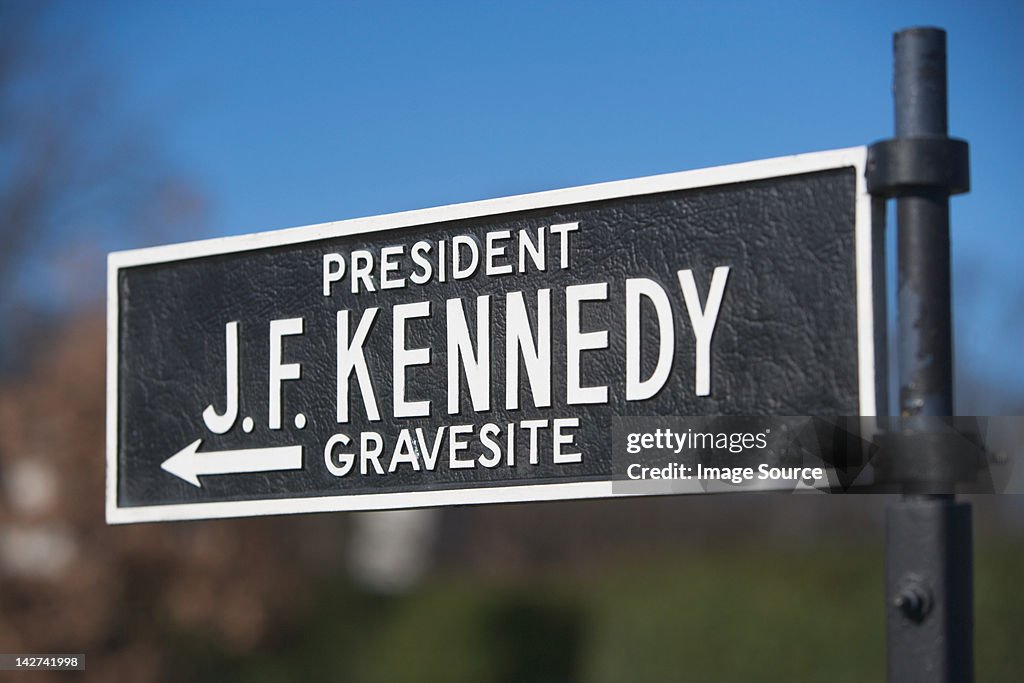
(480,352)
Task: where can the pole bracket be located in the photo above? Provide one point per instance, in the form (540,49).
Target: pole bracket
(901,166)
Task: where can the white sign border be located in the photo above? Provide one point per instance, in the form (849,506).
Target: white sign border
(855,157)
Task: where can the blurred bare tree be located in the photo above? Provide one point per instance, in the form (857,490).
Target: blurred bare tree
(78,177)
(130,598)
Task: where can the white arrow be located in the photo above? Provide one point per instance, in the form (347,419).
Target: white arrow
(189,464)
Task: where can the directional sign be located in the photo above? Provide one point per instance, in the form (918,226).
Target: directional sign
(481,352)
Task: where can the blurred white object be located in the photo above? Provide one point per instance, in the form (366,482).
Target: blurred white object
(390,551)
(36,551)
(30,485)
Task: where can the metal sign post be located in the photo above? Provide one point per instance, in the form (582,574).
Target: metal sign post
(928,534)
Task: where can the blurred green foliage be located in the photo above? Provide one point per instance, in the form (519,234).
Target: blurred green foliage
(764,613)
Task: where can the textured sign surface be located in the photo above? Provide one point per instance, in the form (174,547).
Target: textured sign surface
(480,352)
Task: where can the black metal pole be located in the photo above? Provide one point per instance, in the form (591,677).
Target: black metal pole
(925,328)
(929,596)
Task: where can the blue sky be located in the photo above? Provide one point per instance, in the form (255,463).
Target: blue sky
(294,113)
